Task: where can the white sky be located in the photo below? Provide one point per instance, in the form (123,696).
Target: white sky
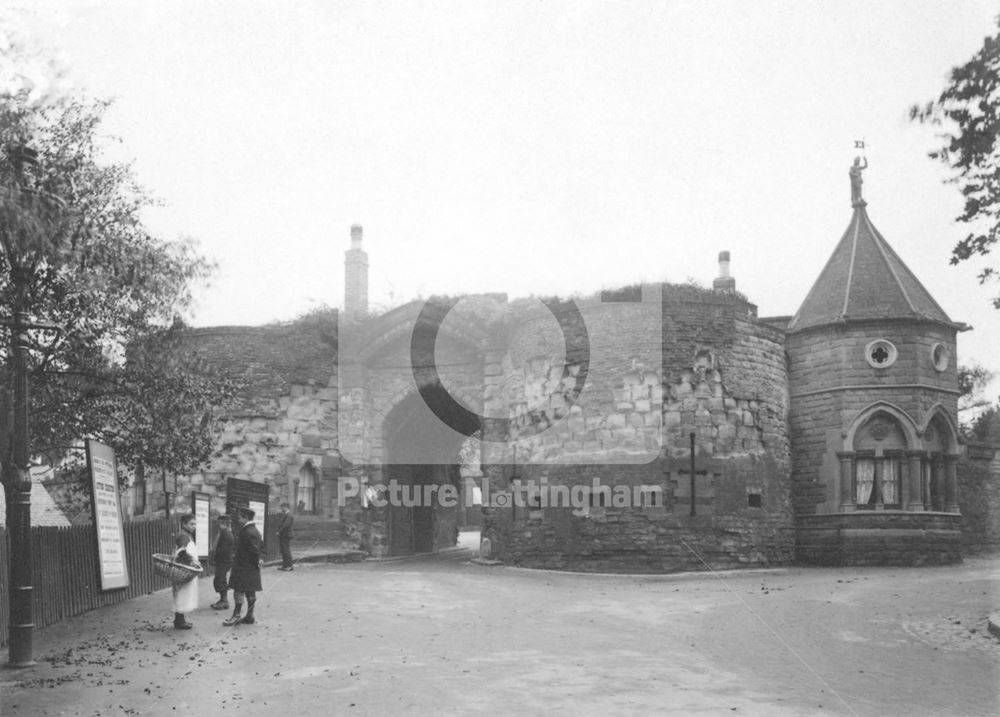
(530,147)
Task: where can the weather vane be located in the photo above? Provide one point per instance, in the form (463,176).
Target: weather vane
(855,174)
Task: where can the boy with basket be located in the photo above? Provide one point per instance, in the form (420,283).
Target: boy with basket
(185,594)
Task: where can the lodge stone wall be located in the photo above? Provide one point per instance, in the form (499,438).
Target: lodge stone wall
(889,537)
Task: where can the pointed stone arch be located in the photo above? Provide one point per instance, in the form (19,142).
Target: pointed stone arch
(939,415)
(901,417)
(421,464)
(874,456)
(396,326)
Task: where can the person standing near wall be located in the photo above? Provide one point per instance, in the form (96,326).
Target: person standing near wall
(285,537)
(185,595)
(244,580)
(222,558)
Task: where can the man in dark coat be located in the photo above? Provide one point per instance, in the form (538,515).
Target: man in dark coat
(285,537)
(222,559)
(245,577)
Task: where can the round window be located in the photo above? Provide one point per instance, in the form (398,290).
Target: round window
(940,356)
(881,353)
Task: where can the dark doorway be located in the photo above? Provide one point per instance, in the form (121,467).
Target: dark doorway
(400,517)
(422,456)
(423,513)
(411,524)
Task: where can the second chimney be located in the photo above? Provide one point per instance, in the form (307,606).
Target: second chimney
(724,282)
(356,276)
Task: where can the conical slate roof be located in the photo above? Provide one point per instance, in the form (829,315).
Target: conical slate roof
(865,279)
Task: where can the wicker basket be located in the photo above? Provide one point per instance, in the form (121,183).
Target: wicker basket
(177,573)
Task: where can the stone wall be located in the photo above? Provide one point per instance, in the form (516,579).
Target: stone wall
(888,537)
(721,376)
(726,531)
(285,420)
(979,497)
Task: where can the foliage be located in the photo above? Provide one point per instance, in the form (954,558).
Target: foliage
(976,423)
(972,380)
(321,319)
(157,409)
(986,426)
(74,252)
(968,113)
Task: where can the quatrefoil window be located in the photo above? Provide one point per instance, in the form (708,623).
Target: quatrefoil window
(881,353)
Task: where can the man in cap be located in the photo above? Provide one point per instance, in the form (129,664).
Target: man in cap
(244,580)
(222,559)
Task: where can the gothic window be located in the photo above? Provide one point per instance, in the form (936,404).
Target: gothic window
(864,481)
(937,442)
(876,480)
(881,353)
(933,480)
(305,490)
(880,447)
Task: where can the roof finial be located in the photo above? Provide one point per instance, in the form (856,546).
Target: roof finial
(855,174)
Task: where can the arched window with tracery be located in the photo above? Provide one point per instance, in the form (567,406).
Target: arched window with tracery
(879,454)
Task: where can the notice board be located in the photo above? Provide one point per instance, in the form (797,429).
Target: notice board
(201,510)
(107,516)
(249,494)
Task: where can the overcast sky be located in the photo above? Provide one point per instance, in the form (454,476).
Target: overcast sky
(530,147)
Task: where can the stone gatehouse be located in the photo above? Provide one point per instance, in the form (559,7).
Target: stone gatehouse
(678,429)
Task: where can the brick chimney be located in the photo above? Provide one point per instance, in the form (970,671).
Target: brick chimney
(724,282)
(356,276)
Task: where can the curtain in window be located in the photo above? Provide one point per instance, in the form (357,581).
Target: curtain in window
(864,480)
(307,489)
(890,481)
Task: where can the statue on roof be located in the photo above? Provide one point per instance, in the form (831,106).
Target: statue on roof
(856,181)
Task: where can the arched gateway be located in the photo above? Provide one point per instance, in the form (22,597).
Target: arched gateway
(410,412)
(423,489)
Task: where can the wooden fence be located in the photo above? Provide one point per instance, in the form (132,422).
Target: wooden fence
(65,571)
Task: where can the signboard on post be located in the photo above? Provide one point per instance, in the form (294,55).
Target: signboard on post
(200,508)
(107,516)
(248,494)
